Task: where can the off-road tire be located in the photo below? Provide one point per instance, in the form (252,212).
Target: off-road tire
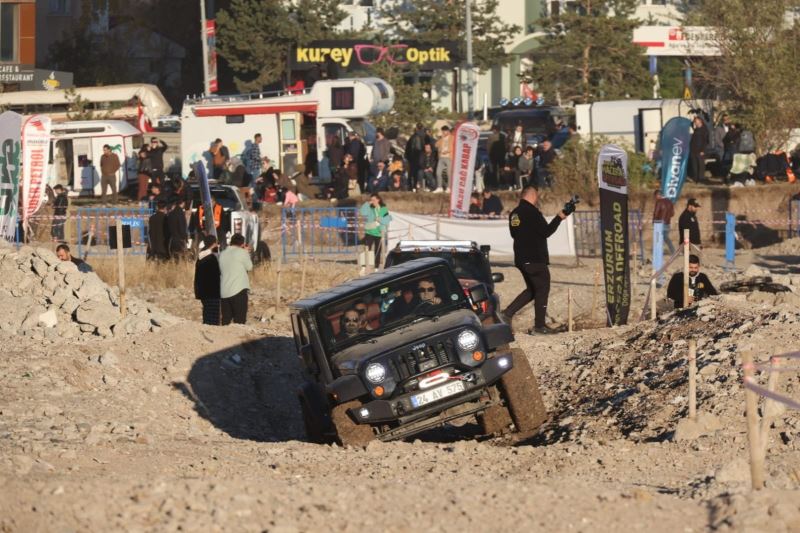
(348,433)
(520,390)
(495,420)
(314,432)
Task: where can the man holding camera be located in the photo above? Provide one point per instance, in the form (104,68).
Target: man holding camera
(530,231)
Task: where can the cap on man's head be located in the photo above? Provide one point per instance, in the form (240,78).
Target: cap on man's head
(209,241)
(693,202)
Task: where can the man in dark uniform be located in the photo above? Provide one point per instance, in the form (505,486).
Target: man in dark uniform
(688,220)
(530,231)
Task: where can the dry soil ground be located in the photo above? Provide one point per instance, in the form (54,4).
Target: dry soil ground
(196,428)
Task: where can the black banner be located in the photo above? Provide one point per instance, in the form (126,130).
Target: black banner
(612,176)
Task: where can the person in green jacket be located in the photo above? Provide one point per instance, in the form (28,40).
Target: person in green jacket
(377,220)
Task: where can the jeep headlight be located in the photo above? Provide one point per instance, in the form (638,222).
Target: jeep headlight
(375,373)
(467,340)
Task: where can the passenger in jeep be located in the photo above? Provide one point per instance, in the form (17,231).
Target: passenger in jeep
(350,324)
(427,292)
(362,309)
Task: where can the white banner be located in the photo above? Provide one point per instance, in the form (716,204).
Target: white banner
(493,232)
(10,129)
(462,169)
(677,41)
(35,155)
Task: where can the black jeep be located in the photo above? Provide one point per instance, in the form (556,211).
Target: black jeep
(401,351)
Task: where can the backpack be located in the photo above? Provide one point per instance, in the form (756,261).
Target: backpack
(747,143)
(416,143)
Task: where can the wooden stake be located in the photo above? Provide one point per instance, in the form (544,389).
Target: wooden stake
(438,227)
(569,310)
(753,437)
(769,404)
(121,269)
(278,290)
(693,379)
(653,288)
(303,277)
(686,268)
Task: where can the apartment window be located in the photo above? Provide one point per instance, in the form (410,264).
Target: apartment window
(58,7)
(8,32)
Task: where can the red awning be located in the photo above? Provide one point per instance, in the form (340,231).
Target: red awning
(262,109)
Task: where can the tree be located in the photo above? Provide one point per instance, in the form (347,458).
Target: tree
(754,75)
(256,37)
(93,59)
(587,53)
(431,21)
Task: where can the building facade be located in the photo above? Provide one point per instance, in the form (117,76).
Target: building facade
(17,42)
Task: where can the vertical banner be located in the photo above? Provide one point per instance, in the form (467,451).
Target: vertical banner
(462,167)
(10,130)
(612,176)
(205,196)
(35,155)
(658,249)
(211,40)
(674,142)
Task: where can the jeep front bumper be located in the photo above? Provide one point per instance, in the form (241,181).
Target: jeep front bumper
(407,407)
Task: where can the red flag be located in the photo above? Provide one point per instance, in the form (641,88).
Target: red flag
(143,122)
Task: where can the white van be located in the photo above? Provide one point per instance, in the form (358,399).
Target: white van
(289,121)
(76,150)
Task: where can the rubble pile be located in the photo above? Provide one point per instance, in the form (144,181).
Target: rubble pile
(637,387)
(45,298)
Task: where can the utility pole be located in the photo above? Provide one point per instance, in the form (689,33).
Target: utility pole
(204,41)
(470,73)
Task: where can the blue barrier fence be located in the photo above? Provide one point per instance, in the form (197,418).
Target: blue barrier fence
(794,218)
(588,240)
(97,221)
(320,231)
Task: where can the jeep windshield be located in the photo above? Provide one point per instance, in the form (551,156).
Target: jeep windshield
(466,265)
(387,306)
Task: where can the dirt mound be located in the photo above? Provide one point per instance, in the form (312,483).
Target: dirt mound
(43,297)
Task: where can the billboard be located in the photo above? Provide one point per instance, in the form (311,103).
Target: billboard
(677,40)
(352,55)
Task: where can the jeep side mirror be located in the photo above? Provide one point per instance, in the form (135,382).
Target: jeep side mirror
(485,250)
(478,294)
(497,277)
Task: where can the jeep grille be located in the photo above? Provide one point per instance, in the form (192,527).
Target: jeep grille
(422,359)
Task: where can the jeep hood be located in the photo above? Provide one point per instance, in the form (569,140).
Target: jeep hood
(411,333)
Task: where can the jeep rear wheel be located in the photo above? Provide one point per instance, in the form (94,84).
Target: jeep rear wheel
(521,393)
(314,431)
(348,433)
(495,420)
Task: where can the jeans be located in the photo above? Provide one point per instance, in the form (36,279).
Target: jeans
(442,173)
(667,241)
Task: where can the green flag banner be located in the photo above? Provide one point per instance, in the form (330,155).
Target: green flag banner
(10,131)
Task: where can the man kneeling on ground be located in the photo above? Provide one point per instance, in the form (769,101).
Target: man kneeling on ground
(699,285)
(63,253)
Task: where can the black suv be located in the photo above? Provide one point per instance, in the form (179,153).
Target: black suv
(401,351)
(469,262)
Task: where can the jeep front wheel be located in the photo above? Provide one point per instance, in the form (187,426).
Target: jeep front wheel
(495,420)
(348,432)
(521,393)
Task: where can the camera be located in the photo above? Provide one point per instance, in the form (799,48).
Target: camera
(575,199)
(569,207)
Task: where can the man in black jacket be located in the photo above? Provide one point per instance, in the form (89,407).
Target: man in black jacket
(699,285)
(207,278)
(60,205)
(688,220)
(157,234)
(530,231)
(155,152)
(177,231)
(697,149)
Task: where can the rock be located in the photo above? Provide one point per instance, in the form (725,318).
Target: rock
(39,267)
(70,304)
(688,429)
(755,271)
(48,319)
(32,318)
(49,257)
(108,359)
(66,267)
(759,297)
(737,471)
(97,314)
(111,381)
(60,296)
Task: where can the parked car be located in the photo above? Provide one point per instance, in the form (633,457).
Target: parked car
(401,351)
(469,262)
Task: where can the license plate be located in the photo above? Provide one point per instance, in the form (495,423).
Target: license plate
(418,400)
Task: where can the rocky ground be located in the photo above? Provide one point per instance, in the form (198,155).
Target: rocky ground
(155,422)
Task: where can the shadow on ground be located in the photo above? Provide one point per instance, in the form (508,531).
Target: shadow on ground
(249,391)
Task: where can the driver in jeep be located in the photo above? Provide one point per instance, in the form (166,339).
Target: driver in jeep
(426,290)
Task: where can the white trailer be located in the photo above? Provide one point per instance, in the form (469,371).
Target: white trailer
(633,123)
(288,122)
(76,150)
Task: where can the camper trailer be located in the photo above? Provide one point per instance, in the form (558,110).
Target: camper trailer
(76,150)
(291,123)
(633,123)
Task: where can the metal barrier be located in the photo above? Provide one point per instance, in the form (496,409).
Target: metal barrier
(95,221)
(588,240)
(320,231)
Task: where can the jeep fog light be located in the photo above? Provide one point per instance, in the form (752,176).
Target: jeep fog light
(376,372)
(467,340)
(364,412)
(502,362)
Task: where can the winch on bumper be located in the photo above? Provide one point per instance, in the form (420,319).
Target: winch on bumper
(440,393)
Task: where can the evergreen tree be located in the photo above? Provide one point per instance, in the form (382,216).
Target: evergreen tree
(431,21)
(755,74)
(256,37)
(587,54)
